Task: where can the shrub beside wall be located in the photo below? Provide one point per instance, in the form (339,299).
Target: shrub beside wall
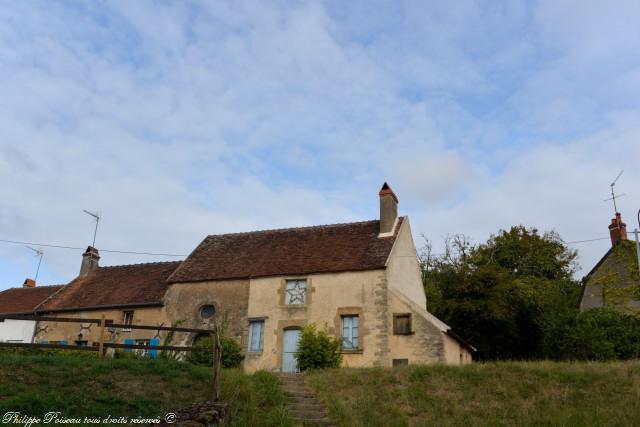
(231,353)
(318,349)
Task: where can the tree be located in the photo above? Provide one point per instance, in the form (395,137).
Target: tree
(512,297)
(604,334)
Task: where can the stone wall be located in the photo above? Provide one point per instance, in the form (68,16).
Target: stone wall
(230,298)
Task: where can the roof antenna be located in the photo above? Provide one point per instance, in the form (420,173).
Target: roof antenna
(613,195)
(95,216)
(40,254)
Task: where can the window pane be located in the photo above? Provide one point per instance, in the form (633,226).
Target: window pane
(256,335)
(207,311)
(350,332)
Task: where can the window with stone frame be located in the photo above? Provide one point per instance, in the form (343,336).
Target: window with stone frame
(402,324)
(350,332)
(256,335)
(295,292)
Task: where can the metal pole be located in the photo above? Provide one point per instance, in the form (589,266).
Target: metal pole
(638,241)
(637,247)
(38,269)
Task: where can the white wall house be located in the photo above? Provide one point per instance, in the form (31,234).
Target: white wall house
(22,300)
(17,330)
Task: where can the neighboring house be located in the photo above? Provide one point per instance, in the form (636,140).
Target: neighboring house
(22,301)
(360,280)
(614,281)
(127,294)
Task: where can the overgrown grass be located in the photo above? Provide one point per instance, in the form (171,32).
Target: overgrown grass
(82,387)
(484,394)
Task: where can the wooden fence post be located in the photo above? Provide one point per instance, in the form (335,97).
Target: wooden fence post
(101,341)
(217,363)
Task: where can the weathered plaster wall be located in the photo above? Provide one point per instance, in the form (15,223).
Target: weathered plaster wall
(424,345)
(455,353)
(67,331)
(403,270)
(329,296)
(182,303)
(429,342)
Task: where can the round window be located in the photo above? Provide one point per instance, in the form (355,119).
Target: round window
(207,311)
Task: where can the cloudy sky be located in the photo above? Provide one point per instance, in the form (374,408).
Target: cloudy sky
(176,120)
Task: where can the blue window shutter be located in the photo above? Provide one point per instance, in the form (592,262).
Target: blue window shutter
(154,353)
(128,341)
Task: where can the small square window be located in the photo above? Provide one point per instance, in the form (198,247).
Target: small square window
(127,319)
(350,332)
(402,324)
(256,335)
(400,362)
(295,292)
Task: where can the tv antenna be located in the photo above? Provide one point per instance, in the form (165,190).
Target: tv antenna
(95,216)
(614,195)
(39,254)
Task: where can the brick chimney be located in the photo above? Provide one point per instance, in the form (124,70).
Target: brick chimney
(29,283)
(90,259)
(388,209)
(617,229)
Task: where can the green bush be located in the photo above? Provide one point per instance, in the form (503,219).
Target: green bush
(231,353)
(604,334)
(318,349)
(79,354)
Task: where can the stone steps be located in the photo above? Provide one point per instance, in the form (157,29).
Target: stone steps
(304,408)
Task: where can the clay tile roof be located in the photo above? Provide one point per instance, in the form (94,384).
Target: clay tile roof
(319,249)
(25,300)
(120,285)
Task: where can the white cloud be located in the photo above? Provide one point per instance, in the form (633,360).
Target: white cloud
(180,120)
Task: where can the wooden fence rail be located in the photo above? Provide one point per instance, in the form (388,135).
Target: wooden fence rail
(101,345)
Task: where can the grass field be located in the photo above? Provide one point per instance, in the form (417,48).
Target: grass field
(88,387)
(482,394)
(491,394)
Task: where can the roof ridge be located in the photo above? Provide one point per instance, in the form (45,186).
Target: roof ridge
(307,227)
(139,264)
(36,287)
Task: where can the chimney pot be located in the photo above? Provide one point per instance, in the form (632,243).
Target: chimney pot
(617,229)
(90,259)
(29,283)
(388,209)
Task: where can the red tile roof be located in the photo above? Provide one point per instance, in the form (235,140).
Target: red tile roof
(25,300)
(121,285)
(319,249)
